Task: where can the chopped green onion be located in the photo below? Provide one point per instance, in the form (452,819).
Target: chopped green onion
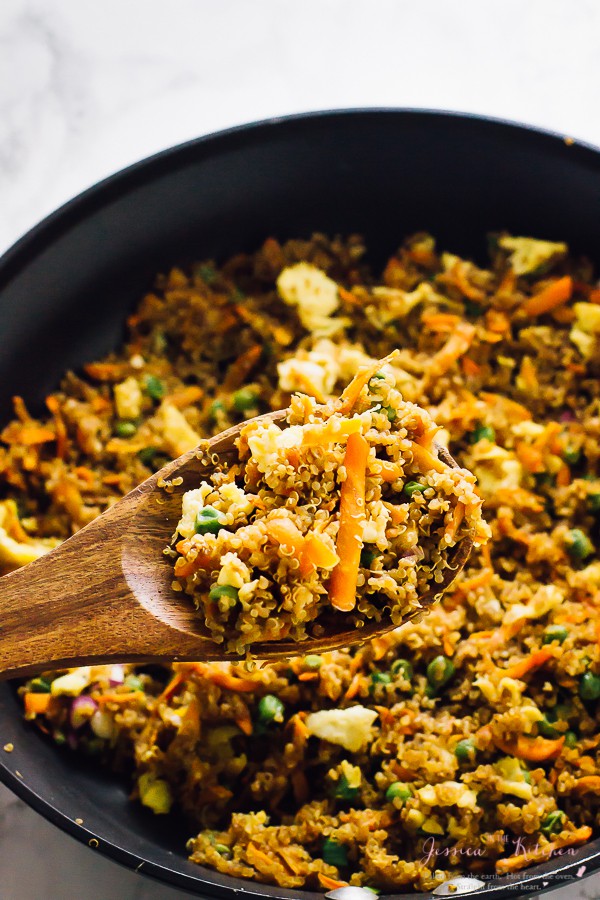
(390,412)
(555,633)
(208,521)
(571,739)
(578,544)
(546,728)
(439,671)
(398,790)
(379,678)
(553,823)
(589,686)
(125,429)
(270,709)
(572,455)
(343,791)
(223,849)
(134,683)
(218,591)
(39,685)
(334,854)
(154,387)
(465,750)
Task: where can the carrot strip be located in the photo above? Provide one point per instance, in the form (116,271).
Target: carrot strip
(331,884)
(27,434)
(539,854)
(224,679)
(308,676)
(426,461)
(389,471)
(555,294)
(353,687)
(563,476)
(482,579)
(171,689)
(440,321)
(114,697)
(342,584)
(351,392)
(239,370)
(36,704)
(458,515)
(469,366)
(316,554)
(536,749)
(186,396)
(456,346)
(531,663)
(589,784)
(467,289)
(244,723)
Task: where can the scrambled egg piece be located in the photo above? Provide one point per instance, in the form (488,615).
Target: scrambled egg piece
(448,793)
(512,778)
(349,728)
(496,468)
(233,571)
(13,553)
(588,578)
(155,793)
(193,501)
(545,599)
(314,293)
(586,328)
(73,683)
(374,526)
(527,255)
(128,399)
(178,434)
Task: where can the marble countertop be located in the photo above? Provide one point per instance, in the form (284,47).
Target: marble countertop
(89,87)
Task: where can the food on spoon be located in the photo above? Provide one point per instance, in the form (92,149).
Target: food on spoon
(345,517)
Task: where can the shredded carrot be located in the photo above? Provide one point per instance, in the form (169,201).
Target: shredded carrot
(85,474)
(531,663)
(536,749)
(441,322)
(308,676)
(347,296)
(482,579)
(530,457)
(563,315)
(238,371)
(389,471)
(171,689)
(423,256)
(342,584)
(27,434)
(21,411)
(187,396)
(353,688)
(301,732)
(106,371)
(458,514)
(539,854)
(468,290)
(528,375)
(332,884)
(225,679)
(124,697)
(244,723)
(380,645)
(60,428)
(589,784)
(563,476)
(426,461)
(519,498)
(316,553)
(36,704)
(456,346)
(256,855)
(555,294)
(497,321)
(351,392)
(470,367)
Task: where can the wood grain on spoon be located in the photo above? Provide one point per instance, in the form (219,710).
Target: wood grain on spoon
(105,594)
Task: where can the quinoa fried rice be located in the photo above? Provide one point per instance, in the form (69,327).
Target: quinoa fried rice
(475,731)
(344,517)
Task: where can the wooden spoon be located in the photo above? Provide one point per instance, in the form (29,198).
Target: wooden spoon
(104,595)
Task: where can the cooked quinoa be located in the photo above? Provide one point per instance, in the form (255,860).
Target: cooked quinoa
(343,518)
(467,742)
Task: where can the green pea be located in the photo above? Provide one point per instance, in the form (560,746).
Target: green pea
(546,728)
(439,671)
(379,678)
(223,849)
(219,591)
(553,823)
(125,429)
(555,633)
(244,399)
(578,544)
(589,686)
(313,661)
(154,387)
(572,455)
(343,791)
(208,521)
(398,790)
(390,412)
(414,487)
(367,557)
(270,709)
(134,683)
(482,432)
(402,667)
(571,739)
(39,685)
(465,750)
(526,776)
(594,503)
(334,854)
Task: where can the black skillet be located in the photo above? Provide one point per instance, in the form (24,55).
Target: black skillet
(67,286)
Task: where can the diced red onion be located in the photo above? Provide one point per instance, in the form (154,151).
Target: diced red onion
(566,416)
(82,710)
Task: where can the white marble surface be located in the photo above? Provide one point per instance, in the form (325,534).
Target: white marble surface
(88,87)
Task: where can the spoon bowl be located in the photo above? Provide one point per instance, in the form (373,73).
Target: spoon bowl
(105,595)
